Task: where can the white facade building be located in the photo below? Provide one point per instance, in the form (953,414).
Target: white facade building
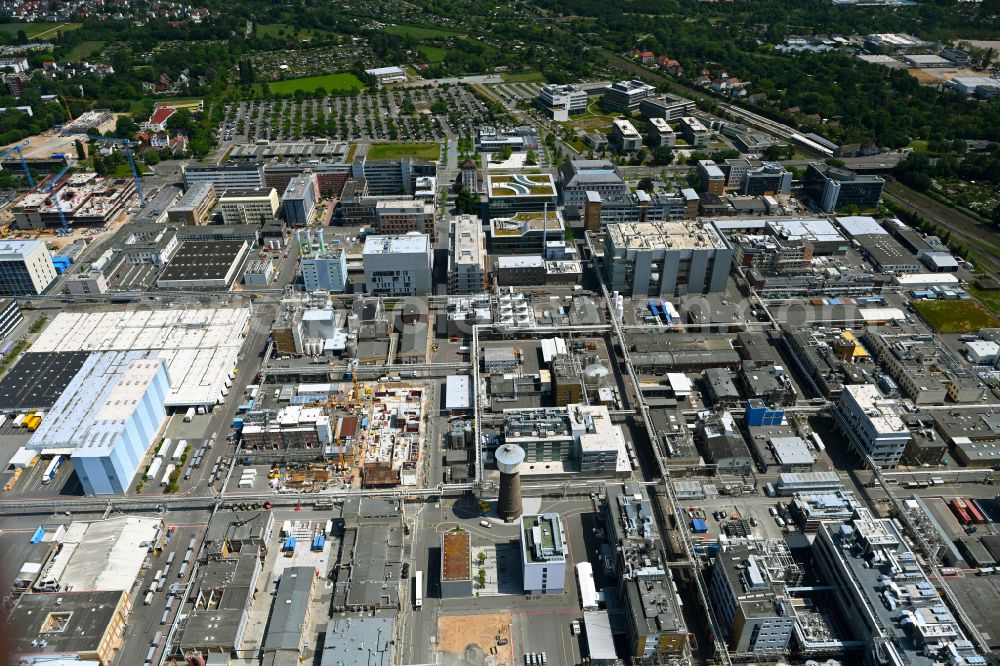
(398,265)
(466,274)
(872,424)
(544,553)
(25,268)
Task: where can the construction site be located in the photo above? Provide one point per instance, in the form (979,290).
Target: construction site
(340,435)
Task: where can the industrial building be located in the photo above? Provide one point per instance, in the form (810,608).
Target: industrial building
(872,425)
(885,595)
(323,267)
(285,640)
(106,418)
(665,258)
(344,634)
(64,627)
(200,345)
(292,428)
(626,95)
(25,268)
(466,271)
(579,437)
(747,590)
(544,553)
(253,206)
(204,264)
(456,564)
(833,188)
(299,199)
(646,589)
(195,206)
(398,265)
(371,553)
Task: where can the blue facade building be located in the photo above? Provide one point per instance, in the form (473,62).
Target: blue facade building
(108,416)
(759,414)
(299,199)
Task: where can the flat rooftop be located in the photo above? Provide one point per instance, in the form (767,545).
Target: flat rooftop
(456,563)
(543,538)
(520,185)
(203,260)
(408,244)
(671,235)
(38,379)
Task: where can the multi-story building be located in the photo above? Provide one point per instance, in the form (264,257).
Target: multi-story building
(195,206)
(626,95)
(519,270)
(661,133)
(578,177)
(507,194)
(544,552)
(562,101)
(665,258)
(239,206)
(639,206)
(625,138)
(765,179)
(526,232)
(235,175)
(466,272)
(10,316)
(667,107)
(872,424)
(645,587)
(292,428)
(401,216)
(392,177)
(398,265)
(470,177)
(324,270)
(299,200)
(713,180)
(25,268)
(583,433)
(747,588)
(722,444)
(835,187)
(885,595)
(694,132)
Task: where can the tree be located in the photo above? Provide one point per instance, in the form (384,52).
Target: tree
(125,127)
(774,152)
(407,108)
(504,154)
(466,203)
(151,157)
(81,152)
(531,158)
(22,37)
(646,184)
(663,155)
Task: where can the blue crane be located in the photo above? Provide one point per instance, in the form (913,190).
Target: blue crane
(55,195)
(24,165)
(127,145)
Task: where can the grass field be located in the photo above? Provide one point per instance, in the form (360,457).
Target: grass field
(956,316)
(273,30)
(434,54)
(36,30)
(426,150)
(85,49)
(332,82)
(991,299)
(524,77)
(418,32)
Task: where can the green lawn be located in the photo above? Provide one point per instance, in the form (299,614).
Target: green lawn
(36,30)
(426,150)
(418,32)
(434,54)
(272,30)
(955,316)
(332,82)
(85,49)
(524,77)
(991,299)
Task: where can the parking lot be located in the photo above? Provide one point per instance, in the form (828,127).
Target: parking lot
(409,114)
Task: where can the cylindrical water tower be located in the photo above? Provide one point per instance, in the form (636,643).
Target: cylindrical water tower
(509,458)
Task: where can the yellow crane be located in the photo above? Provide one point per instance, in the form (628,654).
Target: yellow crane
(67,100)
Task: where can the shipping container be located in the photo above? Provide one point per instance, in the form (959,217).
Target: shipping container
(151,653)
(164,447)
(182,571)
(148,600)
(179,450)
(189,414)
(154,467)
(19,420)
(165,479)
(166,616)
(157,638)
(3,419)
(192,542)
(170,558)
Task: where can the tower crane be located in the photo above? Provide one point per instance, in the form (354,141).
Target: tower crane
(127,145)
(24,165)
(48,189)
